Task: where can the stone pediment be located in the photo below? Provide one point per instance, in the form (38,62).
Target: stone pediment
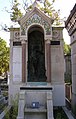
(35,16)
(32,13)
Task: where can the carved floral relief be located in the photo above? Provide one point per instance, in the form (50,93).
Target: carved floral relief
(36,19)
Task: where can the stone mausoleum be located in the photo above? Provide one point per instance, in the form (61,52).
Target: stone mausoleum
(70,25)
(36,65)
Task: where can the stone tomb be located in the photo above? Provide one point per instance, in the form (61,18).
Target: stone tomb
(70,25)
(36,65)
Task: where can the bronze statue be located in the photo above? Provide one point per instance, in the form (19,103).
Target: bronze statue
(36,57)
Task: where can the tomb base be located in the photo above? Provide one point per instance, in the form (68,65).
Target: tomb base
(35,102)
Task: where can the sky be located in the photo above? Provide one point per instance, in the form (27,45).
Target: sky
(65,7)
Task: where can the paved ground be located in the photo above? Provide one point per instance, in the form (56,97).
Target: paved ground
(68,113)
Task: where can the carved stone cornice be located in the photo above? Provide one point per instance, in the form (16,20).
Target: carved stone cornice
(14,34)
(70,23)
(57,33)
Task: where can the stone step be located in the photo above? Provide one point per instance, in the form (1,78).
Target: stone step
(39,110)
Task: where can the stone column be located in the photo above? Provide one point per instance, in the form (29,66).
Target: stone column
(21,105)
(23,61)
(48,60)
(49,105)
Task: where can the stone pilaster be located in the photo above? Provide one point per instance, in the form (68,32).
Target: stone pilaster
(49,106)
(21,105)
(23,61)
(48,60)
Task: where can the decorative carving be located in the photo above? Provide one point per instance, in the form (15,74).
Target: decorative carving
(36,19)
(22,31)
(16,35)
(56,34)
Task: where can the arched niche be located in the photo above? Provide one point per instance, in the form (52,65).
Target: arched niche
(36,54)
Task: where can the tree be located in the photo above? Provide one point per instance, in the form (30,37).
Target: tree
(47,9)
(67,49)
(4,57)
(16,12)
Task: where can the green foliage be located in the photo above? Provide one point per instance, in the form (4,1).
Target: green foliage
(68,78)
(1,107)
(4,57)
(67,49)
(59,113)
(58,116)
(12,114)
(49,9)
(16,12)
